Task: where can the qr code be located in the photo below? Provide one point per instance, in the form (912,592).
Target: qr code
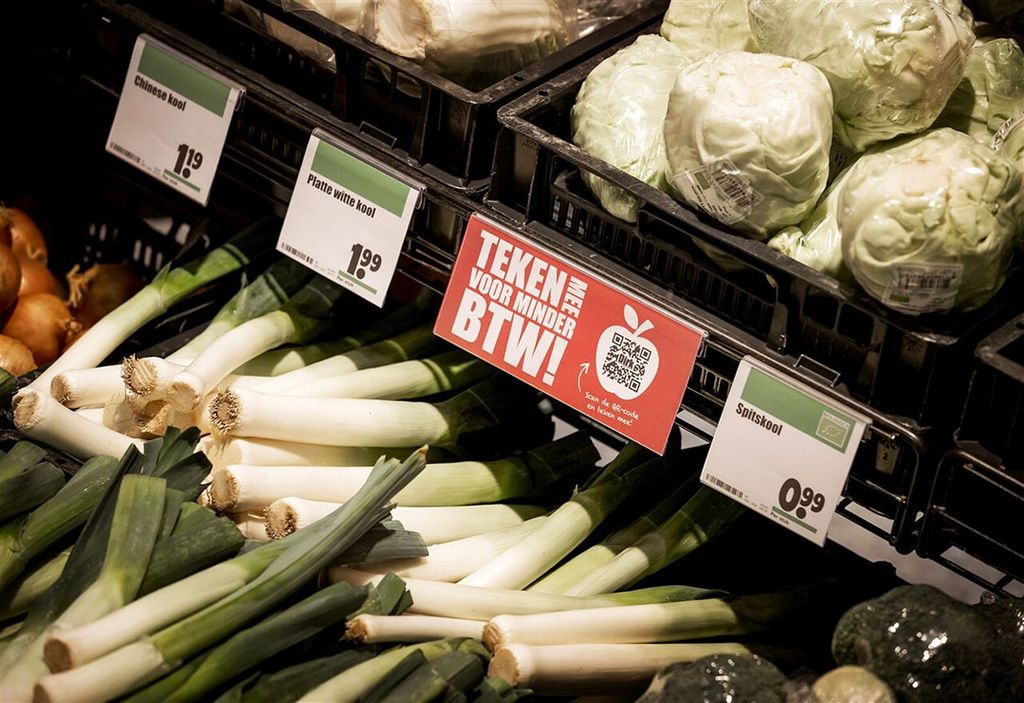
(626,362)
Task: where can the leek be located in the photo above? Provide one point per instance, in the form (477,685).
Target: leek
(28,587)
(449,600)
(562,579)
(577,669)
(191,548)
(78,388)
(21,456)
(270,452)
(565,529)
(411,344)
(451,561)
(447,676)
(29,489)
(300,319)
(170,286)
(160,653)
(285,516)
(700,519)
(374,629)
(24,539)
(38,416)
(287,685)
(251,525)
(360,422)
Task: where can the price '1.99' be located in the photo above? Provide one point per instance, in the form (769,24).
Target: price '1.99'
(362,259)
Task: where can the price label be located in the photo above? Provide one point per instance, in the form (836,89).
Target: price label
(173,118)
(563,330)
(348,217)
(783,449)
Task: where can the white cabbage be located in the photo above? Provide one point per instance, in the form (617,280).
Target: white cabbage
(928,223)
(892,63)
(990,93)
(619,115)
(748,138)
(472,42)
(704,26)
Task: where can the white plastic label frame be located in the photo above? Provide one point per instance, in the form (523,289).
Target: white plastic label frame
(783,449)
(173,117)
(348,217)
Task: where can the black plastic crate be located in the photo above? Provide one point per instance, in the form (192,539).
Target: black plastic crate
(431,123)
(904,366)
(976,506)
(994,414)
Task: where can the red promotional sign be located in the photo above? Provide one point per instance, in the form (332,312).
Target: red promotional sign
(575,337)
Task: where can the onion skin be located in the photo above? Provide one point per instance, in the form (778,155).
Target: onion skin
(26,238)
(41,321)
(10,277)
(15,357)
(100,290)
(37,278)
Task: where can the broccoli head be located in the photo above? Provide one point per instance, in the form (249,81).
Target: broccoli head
(718,678)
(929,647)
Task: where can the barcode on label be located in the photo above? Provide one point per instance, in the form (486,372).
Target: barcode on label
(733,189)
(124,152)
(295,252)
(725,486)
(910,280)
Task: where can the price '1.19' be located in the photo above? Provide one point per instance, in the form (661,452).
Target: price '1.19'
(189,160)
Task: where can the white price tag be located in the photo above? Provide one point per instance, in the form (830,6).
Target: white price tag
(173,118)
(783,450)
(348,217)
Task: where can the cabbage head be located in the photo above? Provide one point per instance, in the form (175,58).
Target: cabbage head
(748,138)
(928,223)
(892,63)
(472,42)
(990,93)
(618,117)
(700,27)
(1009,143)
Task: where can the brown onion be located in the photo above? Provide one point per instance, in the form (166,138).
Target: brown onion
(10,277)
(36,278)
(15,357)
(42,322)
(26,239)
(101,289)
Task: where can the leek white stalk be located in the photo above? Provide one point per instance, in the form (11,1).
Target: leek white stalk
(269,452)
(252,525)
(579,669)
(450,600)
(359,422)
(163,652)
(77,388)
(167,288)
(91,414)
(149,378)
(435,525)
(300,319)
(374,629)
(39,417)
(450,561)
(280,361)
(410,344)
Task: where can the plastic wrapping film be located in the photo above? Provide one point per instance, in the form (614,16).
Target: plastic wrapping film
(991,91)
(892,63)
(748,139)
(929,223)
(619,116)
(700,27)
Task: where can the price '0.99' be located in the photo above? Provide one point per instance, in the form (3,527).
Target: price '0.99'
(793,498)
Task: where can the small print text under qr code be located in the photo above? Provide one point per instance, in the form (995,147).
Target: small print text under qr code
(725,486)
(626,362)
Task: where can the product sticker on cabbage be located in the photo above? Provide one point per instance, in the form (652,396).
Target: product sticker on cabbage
(721,191)
(1000,136)
(923,288)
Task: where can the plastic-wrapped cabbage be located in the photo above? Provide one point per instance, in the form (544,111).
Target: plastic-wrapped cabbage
(816,242)
(990,93)
(748,138)
(702,26)
(1009,142)
(892,63)
(619,114)
(350,14)
(472,42)
(928,223)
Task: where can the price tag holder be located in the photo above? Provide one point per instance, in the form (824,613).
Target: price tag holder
(348,217)
(173,117)
(568,333)
(783,449)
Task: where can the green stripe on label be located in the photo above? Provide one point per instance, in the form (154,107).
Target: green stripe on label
(360,178)
(795,519)
(800,411)
(184,79)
